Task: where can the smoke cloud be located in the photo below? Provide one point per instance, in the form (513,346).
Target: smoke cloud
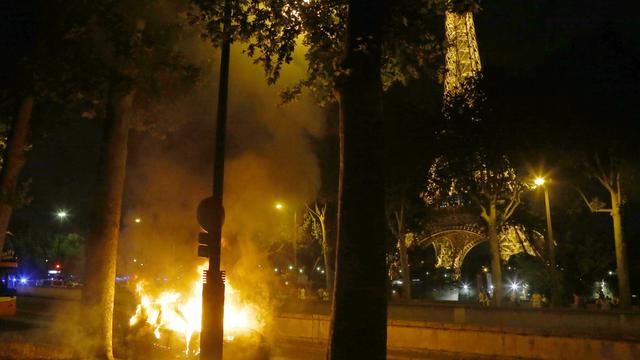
(269,159)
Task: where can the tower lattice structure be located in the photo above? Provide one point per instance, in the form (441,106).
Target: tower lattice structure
(462,56)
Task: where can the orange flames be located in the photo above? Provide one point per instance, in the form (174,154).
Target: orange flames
(182,313)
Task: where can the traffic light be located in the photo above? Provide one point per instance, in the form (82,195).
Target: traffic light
(207,217)
(204,239)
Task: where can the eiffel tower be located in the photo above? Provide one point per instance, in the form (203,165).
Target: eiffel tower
(457,232)
(462,57)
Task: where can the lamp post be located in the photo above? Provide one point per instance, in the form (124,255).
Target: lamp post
(551,247)
(280,207)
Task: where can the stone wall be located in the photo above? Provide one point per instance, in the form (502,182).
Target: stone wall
(489,332)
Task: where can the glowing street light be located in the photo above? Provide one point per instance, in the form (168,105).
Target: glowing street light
(279,206)
(62,214)
(137,220)
(465,288)
(551,247)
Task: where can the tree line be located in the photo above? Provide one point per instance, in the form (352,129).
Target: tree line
(104,59)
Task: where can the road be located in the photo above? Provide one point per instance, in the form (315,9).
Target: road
(44,329)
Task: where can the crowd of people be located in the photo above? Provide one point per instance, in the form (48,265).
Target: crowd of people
(539,300)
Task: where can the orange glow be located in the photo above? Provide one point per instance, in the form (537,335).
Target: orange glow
(182,313)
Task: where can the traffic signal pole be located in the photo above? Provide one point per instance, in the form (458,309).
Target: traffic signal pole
(211,336)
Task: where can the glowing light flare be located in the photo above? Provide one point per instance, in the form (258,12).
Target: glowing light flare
(539,181)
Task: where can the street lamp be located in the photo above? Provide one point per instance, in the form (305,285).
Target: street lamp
(62,214)
(551,247)
(279,206)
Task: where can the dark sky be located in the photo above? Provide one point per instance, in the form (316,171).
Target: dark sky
(559,74)
(551,65)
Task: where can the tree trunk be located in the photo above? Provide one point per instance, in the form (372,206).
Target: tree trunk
(102,244)
(326,254)
(358,327)
(13,162)
(622,270)
(404,264)
(494,245)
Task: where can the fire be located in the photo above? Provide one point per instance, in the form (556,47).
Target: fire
(182,313)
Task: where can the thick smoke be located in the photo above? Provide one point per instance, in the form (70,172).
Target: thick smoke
(269,159)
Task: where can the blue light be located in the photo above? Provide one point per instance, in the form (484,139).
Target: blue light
(24,281)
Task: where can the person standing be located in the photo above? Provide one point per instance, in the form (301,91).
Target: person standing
(576,301)
(536,300)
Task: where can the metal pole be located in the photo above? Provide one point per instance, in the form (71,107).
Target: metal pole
(295,242)
(211,336)
(551,250)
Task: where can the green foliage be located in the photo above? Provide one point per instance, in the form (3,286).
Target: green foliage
(311,227)
(473,168)
(35,247)
(585,251)
(462,6)
(121,44)
(272,29)
(475,181)
(130,45)
(534,271)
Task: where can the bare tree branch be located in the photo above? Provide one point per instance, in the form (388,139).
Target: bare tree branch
(484,213)
(513,204)
(589,205)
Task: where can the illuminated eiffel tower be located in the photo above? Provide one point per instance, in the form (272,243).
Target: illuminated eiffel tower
(456,231)
(462,57)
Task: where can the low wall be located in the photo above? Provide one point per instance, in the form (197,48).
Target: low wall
(469,330)
(489,332)
(615,325)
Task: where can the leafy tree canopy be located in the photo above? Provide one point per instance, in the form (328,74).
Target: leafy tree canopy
(272,29)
